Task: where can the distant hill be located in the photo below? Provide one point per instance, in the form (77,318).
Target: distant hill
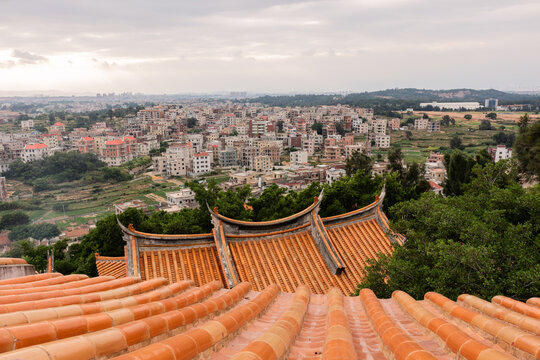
(398,98)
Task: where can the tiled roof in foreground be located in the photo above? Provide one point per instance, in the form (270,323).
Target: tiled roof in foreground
(303,248)
(46,317)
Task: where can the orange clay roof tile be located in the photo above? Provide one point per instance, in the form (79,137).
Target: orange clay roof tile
(151,320)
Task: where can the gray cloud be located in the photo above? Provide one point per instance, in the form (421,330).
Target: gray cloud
(282,45)
(25,57)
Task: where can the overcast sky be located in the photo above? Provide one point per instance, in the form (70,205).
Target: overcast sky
(190,46)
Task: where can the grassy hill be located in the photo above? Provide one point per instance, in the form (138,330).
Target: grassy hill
(398,99)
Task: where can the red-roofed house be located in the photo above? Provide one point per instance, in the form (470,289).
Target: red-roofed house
(436,188)
(119,151)
(87,145)
(57,128)
(32,152)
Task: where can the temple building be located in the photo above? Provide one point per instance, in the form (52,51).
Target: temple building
(300,249)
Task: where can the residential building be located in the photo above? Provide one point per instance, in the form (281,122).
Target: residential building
(421,124)
(27,124)
(119,151)
(227,157)
(87,145)
(382,141)
(436,188)
(57,128)
(334,174)
(184,199)
(394,123)
(201,163)
(501,152)
(262,163)
(299,157)
(136,204)
(434,126)
(34,152)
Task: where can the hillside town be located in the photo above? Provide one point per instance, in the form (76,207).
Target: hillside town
(254,144)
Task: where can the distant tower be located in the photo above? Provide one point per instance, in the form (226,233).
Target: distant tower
(491,103)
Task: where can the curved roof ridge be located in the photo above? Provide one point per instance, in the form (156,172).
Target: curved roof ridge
(317,202)
(131,231)
(101,257)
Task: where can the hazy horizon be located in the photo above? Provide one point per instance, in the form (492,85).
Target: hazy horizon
(274,47)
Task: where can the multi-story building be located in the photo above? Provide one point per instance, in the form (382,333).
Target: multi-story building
(379,126)
(299,157)
(51,140)
(394,123)
(501,152)
(227,157)
(184,199)
(262,163)
(58,128)
(334,153)
(27,124)
(257,127)
(119,151)
(434,126)
(34,152)
(334,174)
(421,124)
(382,141)
(201,163)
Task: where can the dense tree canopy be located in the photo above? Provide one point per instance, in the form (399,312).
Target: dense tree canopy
(358,161)
(13,219)
(484,242)
(527,148)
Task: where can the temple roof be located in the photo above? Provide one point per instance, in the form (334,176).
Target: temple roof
(54,317)
(300,249)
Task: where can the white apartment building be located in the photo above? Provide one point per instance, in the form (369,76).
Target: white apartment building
(382,141)
(201,163)
(32,152)
(501,152)
(27,124)
(334,174)
(196,140)
(184,199)
(299,157)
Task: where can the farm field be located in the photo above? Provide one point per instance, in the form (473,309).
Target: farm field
(419,146)
(76,203)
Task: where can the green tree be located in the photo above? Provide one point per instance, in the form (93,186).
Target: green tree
(279,125)
(485,125)
(468,116)
(408,134)
(527,148)
(12,219)
(458,171)
(505,138)
(456,143)
(358,161)
(339,128)
(317,126)
(191,122)
(483,243)
(492,115)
